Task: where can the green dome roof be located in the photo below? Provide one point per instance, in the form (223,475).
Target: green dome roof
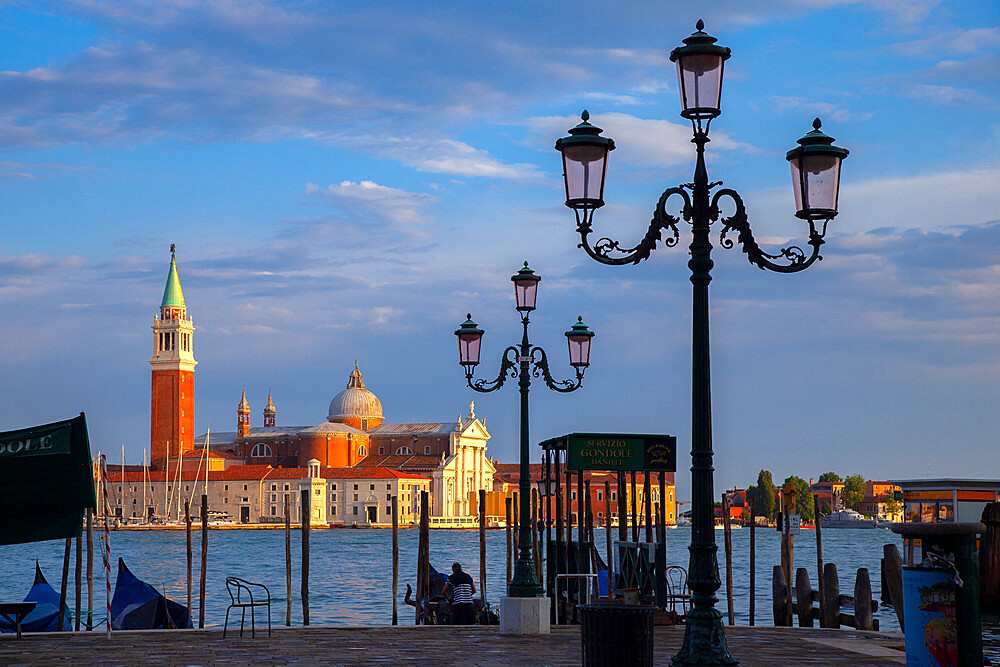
(172,293)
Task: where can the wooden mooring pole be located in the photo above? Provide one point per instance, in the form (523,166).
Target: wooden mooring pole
(288,560)
(65,580)
(622,504)
(989,559)
(510,544)
(306,515)
(395,557)
(607,535)
(482,546)
(423,559)
(728,537)
(204,560)
(90,568)
(187,530)
(635,522)
(753,563)
(79,581)
(647,506)
(819,546)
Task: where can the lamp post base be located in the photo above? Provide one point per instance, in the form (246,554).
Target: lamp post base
(704,641)
(524,616)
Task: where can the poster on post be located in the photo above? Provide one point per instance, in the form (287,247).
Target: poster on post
(46,481)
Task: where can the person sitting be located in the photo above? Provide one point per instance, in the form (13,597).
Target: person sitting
(461,589)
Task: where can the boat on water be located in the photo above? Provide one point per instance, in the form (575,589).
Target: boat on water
(45,616)
(846,518)
(138,606)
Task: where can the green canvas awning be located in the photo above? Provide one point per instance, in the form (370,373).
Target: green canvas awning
(46,481)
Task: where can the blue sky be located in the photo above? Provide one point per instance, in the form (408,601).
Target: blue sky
(345,181)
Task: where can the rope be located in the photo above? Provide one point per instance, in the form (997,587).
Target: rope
(106,551)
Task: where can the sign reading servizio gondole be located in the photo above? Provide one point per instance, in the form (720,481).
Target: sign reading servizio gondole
(621,451)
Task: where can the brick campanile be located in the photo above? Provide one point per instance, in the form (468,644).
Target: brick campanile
(171,412)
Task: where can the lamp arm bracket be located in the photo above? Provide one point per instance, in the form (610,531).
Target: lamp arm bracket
(790,259)
(508,368)
(540,368)
(662,221)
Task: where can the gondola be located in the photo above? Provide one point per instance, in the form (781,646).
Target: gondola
(45,616)
(138,606)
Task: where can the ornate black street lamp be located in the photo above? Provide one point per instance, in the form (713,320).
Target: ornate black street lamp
(524,361)
(815,165)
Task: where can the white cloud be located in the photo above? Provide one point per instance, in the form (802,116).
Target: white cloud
(398,206)
(947,95)
(824,110)
(971,41)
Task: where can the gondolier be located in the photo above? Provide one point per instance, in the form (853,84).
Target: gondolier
(460,588)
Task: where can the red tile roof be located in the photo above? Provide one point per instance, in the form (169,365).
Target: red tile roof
(260,472)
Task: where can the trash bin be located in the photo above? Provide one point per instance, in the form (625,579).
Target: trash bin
(616,634)
(957,543)
(929,610)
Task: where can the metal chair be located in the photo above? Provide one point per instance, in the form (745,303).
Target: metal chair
(238,588)
(677,588)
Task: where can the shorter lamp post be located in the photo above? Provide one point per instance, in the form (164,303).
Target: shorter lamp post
(524,361)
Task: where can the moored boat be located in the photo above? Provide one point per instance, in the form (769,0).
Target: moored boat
(45,616)
(846,518)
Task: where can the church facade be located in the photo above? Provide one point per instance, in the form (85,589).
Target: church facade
(354,433)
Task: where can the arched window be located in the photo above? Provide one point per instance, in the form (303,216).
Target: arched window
(404,450)
(427,449)
(362,451)
(381,450)
(261,450)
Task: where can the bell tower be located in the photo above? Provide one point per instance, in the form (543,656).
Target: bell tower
(171,429)
(243,416)
(269,411)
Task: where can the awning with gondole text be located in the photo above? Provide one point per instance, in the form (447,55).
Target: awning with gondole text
(46,481)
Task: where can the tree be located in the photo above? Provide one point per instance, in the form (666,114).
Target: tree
(893,506)
(854,490)
(803,497)
(830,477)
(764,494)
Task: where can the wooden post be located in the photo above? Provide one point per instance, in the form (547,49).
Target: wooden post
(647,505)
(819,546)
(989,559)
(635,523)
(515,506)
(79,581)
(894,579)
(395,556)
(753,564)
(569,516)
(582,560)
(779,596)
(90,568)
(607,534)
(288,560)
(534,534)
(424,554)
(863,617)
(65,579)
(622,507)
(589,540)
(803,598)
(728,537)
(830,617)
(510,544)
(789,553)
(482,546)
(306,515)
(204,560)
(663,507)
(187,527)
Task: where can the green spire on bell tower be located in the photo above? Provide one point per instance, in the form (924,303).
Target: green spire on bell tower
(172,293)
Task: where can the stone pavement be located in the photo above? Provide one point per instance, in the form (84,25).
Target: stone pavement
(441,645)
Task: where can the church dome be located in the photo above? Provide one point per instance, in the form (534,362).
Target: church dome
(355,402)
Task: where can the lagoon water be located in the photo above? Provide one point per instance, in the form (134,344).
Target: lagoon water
(351,570)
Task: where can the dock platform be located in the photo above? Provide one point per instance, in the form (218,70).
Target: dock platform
(430,645)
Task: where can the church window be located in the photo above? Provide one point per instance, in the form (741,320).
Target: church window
(404,450)
(261,450)
(355,508)
(427,449)
(381,450)
(371,487)
(364,424)
(355,496)
(362,451)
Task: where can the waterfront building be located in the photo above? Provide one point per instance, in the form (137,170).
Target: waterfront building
(359,496)
(171,429)
(882,500)
(829,495)
(507,477)
(946,500)
(353,434)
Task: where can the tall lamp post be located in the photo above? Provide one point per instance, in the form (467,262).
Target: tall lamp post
(524,361)
(815,165)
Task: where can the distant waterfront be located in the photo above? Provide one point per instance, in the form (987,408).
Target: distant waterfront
(350,570)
